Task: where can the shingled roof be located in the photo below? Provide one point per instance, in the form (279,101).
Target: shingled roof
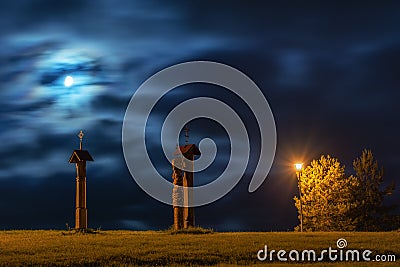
(80,155)
(189,149)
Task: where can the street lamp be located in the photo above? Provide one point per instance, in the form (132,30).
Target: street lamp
(299,168)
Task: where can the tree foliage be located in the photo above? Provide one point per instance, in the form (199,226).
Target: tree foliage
(332,201)
(325,196)
(369,211)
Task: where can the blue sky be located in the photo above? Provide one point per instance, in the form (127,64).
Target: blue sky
(328,70)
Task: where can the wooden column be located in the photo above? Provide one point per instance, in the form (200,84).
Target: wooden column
(183,194)
(79,157)
(81,209)
(177,194)
(188,193)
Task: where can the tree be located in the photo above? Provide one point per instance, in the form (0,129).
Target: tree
(369,212)
(326,196)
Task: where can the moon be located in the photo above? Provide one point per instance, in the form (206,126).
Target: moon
(69,81)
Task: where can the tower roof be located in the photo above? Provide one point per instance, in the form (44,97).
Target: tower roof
(189,149)
(80,155)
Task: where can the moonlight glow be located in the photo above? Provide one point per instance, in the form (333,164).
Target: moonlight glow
(68,81)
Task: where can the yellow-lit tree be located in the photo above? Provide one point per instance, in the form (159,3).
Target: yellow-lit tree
(326,196)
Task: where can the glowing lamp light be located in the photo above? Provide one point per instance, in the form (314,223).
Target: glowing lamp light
(69,81)
(298,166)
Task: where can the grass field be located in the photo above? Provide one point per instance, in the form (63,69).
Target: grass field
(132,248)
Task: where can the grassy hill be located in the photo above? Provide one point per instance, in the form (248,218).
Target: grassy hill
(132,248)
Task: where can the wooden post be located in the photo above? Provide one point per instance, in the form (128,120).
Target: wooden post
(79,157)
(80,208)
(182,194)
(177,194)
(188,193)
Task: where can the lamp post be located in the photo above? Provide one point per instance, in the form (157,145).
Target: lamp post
(299,168)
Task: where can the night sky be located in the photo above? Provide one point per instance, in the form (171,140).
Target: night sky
(329,70)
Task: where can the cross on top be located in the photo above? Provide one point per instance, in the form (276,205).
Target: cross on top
(186,134)
(80,135)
